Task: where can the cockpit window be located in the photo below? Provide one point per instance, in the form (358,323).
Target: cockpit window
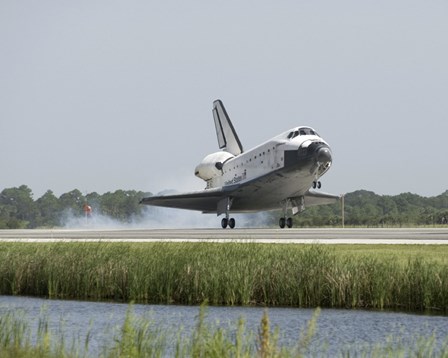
(292,135)
(302,131)
(307,131)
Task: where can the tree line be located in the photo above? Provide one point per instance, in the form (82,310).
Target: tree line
(367,209)
(19,210)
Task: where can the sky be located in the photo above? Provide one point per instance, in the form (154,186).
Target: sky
(103,95)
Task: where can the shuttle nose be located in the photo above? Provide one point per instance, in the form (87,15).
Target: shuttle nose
(323,155)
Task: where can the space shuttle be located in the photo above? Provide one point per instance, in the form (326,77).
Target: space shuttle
(281,173)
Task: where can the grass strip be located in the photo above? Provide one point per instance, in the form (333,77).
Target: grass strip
(396,277)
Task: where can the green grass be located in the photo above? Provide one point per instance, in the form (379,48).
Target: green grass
(412,278)
(403,253)
(139,337)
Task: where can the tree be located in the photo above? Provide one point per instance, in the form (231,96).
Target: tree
(18,207)
(121,205)
(49,209)
(73,202)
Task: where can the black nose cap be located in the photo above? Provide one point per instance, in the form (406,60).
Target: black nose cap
(323,155)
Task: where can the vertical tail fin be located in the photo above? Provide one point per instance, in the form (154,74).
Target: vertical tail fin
(227,138)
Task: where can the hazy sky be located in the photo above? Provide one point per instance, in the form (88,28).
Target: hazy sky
(106,95)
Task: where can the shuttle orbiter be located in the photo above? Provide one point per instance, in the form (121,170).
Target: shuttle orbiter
(277,174)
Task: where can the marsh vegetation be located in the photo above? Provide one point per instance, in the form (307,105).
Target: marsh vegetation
(409,278)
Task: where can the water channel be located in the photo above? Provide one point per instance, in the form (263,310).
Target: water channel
(337,330)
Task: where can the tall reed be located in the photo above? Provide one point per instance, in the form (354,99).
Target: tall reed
(225,274)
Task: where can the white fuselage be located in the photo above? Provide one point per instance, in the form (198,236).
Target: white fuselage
(284,166)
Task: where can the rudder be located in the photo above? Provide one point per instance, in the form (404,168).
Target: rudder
(227,138)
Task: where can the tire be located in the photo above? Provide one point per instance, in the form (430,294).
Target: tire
(282,223)
(224,223)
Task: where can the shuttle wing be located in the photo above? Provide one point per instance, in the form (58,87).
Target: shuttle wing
(208,201)
(227,138)
(204,200)
(313,198)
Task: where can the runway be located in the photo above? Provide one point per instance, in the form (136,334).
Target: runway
(422,236)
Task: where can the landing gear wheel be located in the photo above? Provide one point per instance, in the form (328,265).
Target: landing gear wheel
(289,222)
(224,223)
(319,185)
(231,223)
(314,185)
(282,223)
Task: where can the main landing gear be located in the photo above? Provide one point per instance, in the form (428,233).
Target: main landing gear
(317,184)
(285,222)
(297,205)
(230,222)
(224,208)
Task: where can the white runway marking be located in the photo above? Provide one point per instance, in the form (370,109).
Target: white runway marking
(422,236)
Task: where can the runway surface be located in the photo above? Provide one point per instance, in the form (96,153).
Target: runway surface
(426,236)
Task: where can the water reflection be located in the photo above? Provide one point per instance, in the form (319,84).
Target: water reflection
(336,329)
